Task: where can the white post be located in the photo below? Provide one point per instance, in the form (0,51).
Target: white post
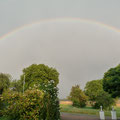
(113,114)
(102,116)
(23,84)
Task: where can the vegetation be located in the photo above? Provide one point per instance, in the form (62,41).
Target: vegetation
(36,74)
(105,100)
(86,110)
(78,97)
(111,81)
(4,82)
(16,85)
(93,89)
(40,99)
(27,106)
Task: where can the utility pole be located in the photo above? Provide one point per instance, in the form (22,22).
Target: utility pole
(23,84)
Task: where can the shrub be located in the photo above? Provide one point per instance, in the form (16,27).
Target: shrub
(53,102)
(4,82)
(78,97)
(27,106)
(105,100)
(35,104)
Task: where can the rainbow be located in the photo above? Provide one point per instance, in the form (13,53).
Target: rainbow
(60,19)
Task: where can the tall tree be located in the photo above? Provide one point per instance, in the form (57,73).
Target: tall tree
(77,96)
(39,74)
(111,81)
(93,89)
(17,85)
(105,100)
(4,82)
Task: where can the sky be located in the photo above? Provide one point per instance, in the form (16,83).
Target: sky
(79,38)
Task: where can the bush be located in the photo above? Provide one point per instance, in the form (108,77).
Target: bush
(78,97)
(53,102)
(27,106)
(35,104)
(105,100)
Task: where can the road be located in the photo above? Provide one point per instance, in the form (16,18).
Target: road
(69,116)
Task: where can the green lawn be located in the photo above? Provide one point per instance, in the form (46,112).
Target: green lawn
(86,110)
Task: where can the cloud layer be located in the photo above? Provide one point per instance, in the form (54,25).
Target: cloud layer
(79,51)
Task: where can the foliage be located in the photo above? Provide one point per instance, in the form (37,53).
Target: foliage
(111,81)
(16,85)
(4,82)
(35,104)
(40,99)
(53,108)
(25,106)
(37,74)
(93,89)
(105,100)
(1,107)
(77,96)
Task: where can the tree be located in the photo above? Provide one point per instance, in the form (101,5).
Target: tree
(37,74)
(16,85)
(93,89)
(77,96)
(37,78)
(111,81)
(4,82)
(105,100)
(46,79)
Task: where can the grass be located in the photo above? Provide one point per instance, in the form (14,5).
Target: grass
(86,110)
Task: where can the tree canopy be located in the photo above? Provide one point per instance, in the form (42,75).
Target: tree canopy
(77,96)
(4,82)
(93,89)
(16,85)
(111,81)
(36,74)
(105,100)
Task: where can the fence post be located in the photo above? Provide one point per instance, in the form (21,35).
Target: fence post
(113,114)
(102,116)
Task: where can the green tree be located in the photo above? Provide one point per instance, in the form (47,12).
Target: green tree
(4,82)
(46,79)
(16,85)
(37,74)
(77,96)
(93,89)
(111,81)
(105,100)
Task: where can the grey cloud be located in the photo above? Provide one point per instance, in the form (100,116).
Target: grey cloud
(78,50)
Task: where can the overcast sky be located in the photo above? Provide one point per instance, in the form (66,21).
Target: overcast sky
(80,50)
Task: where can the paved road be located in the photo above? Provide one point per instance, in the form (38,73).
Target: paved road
(69,116)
